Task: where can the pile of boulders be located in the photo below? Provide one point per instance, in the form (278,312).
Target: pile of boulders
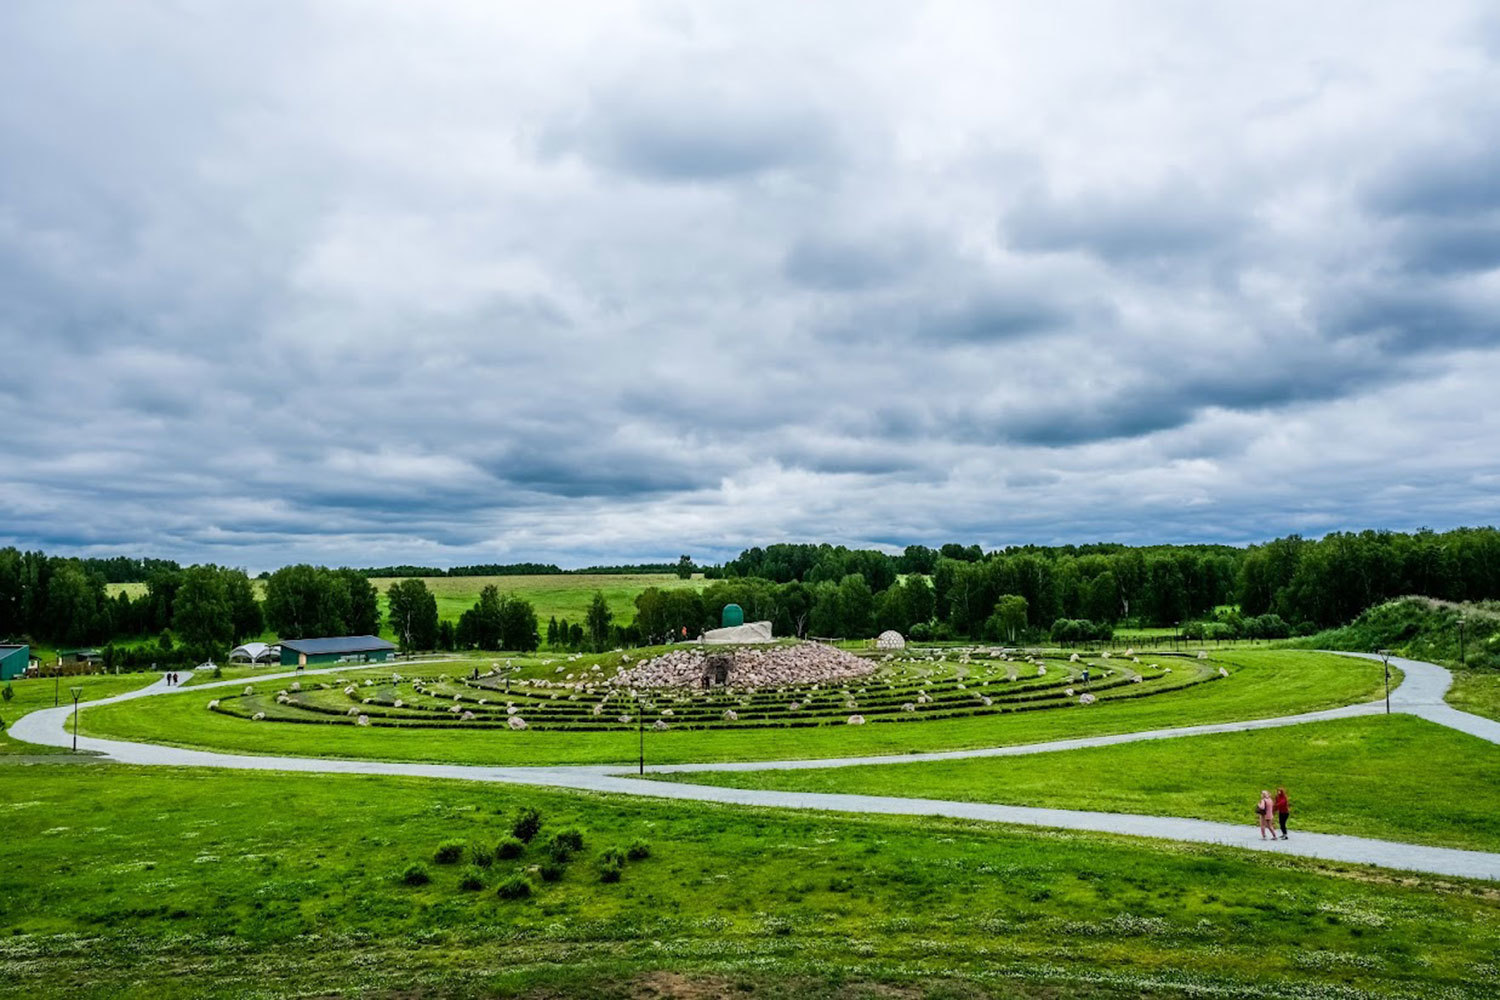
(800,663)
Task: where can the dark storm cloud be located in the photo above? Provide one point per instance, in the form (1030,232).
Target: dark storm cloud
(583,285)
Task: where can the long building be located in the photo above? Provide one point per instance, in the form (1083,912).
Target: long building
(336,649)
(14,659)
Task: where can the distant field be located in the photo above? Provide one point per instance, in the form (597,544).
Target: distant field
(564,596)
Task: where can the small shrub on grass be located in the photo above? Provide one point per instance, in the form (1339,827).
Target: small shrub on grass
(472,879)
(515,887)
(563,844)
(611,864)
(481,856)
(638,850)
(528,822)
(551,871)
(415,874)
(449,852)
(509,848)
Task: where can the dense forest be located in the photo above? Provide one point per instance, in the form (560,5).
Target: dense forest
(1067,593)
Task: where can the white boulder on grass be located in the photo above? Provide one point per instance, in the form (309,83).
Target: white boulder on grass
(1223,672)
(352,710)
(351,690)
(363,720)
(1086,699)
(249,690)
(730,715)
(908,707)
(517,723)
(398,703)
(258,716)
(660,725)
(1073,658)
(296,685)
(213,705)
(856,720)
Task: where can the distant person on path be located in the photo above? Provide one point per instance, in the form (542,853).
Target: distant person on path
(1263,811)
(1282,807)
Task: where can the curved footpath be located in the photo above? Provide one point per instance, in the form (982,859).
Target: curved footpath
(1420,694)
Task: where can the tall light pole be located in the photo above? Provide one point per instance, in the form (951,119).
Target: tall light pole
(1385,658)
(640,728)
(1461,662)
(77,691)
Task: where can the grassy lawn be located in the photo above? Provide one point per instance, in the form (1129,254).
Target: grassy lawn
(1389,777)
(565,596)
(179,883)
(37,692)
(1477,692)
(1264,683)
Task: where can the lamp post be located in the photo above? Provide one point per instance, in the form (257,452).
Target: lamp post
(56,682)
(1461,643)
(1385,658)
(640,729)
(77,692)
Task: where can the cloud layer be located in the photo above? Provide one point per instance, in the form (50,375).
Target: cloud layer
(375,282)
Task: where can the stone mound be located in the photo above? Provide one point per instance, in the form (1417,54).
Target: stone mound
(802,663)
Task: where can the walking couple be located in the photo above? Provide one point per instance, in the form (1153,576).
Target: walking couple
(1269,809)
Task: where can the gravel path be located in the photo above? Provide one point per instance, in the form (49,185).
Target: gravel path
(1420,694)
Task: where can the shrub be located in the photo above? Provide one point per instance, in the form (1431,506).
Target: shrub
(565,843)
(528,822)
(450,852)
(638,850)
(472,879)
(609,871)
(509,848)
(551,871)
(481,856)
(415,874)
(515,887)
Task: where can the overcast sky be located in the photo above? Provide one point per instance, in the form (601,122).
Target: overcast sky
(366,282)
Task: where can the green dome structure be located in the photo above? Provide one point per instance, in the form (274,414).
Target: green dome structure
(733,615)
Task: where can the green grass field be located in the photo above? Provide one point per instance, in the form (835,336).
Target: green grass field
(186,883)
(1476,691)
(33,693)
(1265,683)
(1388,777)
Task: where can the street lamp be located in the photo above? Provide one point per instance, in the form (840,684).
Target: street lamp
(1385,658)
(640,729)
(77,692)
(1461,662)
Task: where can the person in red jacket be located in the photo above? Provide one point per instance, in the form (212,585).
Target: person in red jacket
(1282,808)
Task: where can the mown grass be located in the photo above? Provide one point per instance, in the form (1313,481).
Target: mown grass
(1265,683)
(177,883)
(1476,691)
(1389,777)
(32,693)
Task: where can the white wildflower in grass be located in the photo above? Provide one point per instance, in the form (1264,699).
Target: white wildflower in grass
(257,716)
(1223,672)
(908,707)
(517,723)
(213,705)
(363,720)
(1086,699)
(249,690)
(856,720)
(1073,658)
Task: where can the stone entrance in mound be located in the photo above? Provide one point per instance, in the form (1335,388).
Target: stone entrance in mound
(716,669)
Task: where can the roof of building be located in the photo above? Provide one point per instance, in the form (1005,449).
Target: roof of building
(337,644)
(12,645)
(255,650)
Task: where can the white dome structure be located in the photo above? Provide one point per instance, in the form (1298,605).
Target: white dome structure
(255,652)
(890,639)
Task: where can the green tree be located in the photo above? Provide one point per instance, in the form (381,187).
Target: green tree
(599,619)
(518,628)
(202,614)
(364,603)
(304,601)
(245,615)
(412,612)
(1009,620)
(685,567)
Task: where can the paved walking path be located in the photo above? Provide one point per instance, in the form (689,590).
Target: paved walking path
(1420,694)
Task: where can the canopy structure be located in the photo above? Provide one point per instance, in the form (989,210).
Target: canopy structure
(256,652)
(890,639)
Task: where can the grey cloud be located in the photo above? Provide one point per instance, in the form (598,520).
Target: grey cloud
(1170,221)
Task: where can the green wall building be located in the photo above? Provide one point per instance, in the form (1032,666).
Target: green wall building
(14,659)
(339,649)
